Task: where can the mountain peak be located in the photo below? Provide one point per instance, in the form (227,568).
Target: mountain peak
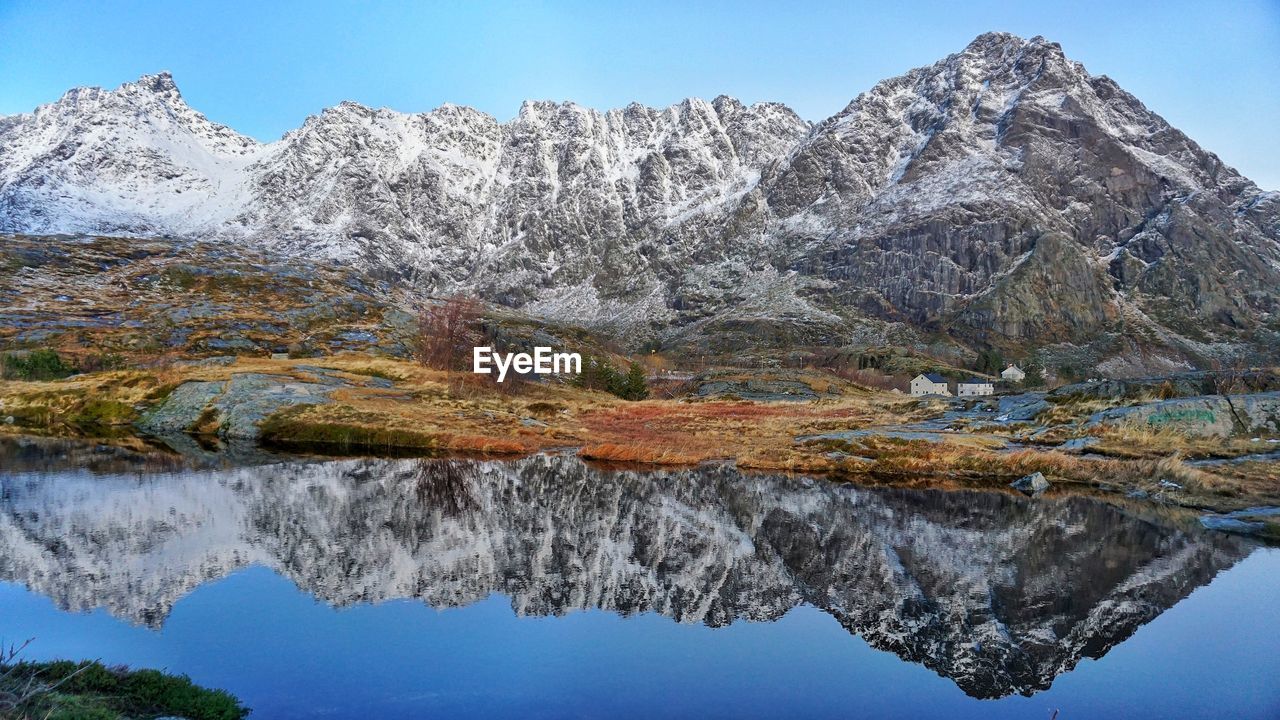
(999,45)
(160,83)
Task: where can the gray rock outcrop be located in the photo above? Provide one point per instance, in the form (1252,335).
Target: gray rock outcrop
(1207,415)
(1031,485)
(234,407)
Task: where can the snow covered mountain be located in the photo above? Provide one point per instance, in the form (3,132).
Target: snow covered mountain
(1002,197)
(135,160)
(996,592)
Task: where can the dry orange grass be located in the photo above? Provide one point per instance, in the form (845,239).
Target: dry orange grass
(754,435)
(1129,440)
(432,411)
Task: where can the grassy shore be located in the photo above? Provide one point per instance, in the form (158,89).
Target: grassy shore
(64,690)
(423,410)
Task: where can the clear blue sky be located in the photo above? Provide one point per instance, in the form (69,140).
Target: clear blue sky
(1210,68)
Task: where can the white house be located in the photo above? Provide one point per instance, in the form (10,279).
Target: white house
(975,386)
(929,384)
(1013,373)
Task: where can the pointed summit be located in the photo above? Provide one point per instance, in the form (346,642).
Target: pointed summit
(160,84)
(1002,46)
(995,39)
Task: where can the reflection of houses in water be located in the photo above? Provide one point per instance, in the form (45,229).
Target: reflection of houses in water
(999,593)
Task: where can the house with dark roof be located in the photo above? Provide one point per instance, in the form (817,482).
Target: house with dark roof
(975,386)
(929,384)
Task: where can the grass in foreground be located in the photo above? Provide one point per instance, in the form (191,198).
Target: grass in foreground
(65,690)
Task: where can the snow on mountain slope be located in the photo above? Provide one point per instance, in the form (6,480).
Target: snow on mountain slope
(950,198)
(133,160)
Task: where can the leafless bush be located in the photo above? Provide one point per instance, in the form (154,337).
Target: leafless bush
(446,485)
(1230,380)
(447,331)
(668,388)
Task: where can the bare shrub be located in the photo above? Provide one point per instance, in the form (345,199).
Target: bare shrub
(446,485)
(447,331)
(21,687)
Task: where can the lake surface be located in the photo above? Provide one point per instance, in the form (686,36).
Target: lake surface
(545,588)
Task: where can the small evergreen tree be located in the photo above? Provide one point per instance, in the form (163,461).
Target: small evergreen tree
(600,374)
(634,386)
(1035,376)
(615,383)
(990,362)
(583,378)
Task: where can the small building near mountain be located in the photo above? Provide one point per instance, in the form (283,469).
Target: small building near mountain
(1013,373)
(975,386)
(929,384)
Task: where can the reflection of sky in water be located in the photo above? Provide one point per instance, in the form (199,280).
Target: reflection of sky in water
(288,655)
(308,589)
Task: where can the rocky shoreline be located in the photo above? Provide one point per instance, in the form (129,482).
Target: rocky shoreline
(1216,454)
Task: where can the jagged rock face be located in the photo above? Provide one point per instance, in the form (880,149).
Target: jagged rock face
(135,160)
(1006,193)
(997,592)
(1003,195)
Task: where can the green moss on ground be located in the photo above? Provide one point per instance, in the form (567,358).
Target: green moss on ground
(372,372)
(96,414)
(290,428)
(43,364)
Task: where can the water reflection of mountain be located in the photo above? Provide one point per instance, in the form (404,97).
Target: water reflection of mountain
(998,593)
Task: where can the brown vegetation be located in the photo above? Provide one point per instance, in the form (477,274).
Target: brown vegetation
(447,330)
(427,413)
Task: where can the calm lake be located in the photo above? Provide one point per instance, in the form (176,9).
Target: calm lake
(546,588)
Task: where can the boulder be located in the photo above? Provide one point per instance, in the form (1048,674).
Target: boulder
(1249,521)
(1206,415)
(250,397)
(238,404)
(1223,523)
(1031,485)
(1078,445)
(180,411)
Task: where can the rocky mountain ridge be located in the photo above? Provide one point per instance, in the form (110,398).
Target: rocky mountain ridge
(1002,197)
